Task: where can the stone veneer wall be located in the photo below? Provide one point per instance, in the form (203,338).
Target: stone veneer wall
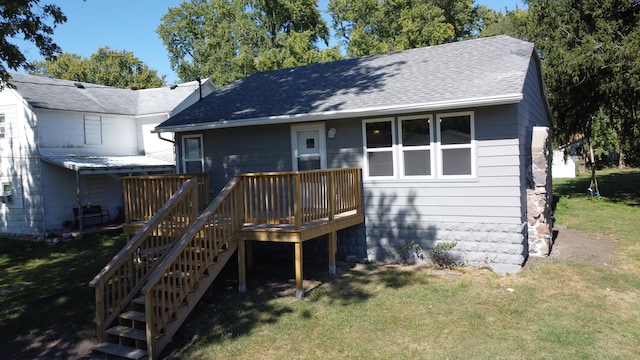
(501,247)
(539,194)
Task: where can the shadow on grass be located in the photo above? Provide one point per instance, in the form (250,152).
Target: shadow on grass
(48,309)
(620,186)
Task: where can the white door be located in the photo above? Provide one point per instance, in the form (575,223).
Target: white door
(308,147)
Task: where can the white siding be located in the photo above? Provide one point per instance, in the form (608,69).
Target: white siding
(20,165)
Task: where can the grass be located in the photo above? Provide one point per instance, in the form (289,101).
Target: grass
(555,310)
(44,287)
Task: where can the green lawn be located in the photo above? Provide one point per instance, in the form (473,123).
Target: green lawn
(555,310)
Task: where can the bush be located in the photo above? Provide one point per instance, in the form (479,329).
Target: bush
(440,254)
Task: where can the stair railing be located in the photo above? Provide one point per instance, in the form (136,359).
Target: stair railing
(174,279)
(123,277)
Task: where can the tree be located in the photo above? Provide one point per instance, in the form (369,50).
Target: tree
(370,27)
(105,67)
(514,23)
(590,64)
(35,23)
(230,39)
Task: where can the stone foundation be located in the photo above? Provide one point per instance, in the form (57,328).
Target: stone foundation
(501,247)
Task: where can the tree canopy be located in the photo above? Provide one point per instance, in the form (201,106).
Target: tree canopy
(230,39)
(369,27)
(28,20)
(105,67)
(591,66)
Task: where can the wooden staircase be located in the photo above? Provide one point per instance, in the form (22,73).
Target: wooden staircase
(149,288)
(128,338)
(147,291)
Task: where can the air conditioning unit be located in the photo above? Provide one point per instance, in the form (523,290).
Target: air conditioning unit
(6,198)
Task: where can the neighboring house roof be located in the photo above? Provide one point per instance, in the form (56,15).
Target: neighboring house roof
(108,164)
(55,94)
(486,71)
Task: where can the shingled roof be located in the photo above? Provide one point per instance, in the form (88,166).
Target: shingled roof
(55,94)
(485,71)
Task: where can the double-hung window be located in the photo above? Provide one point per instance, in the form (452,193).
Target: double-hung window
(193,154)
(379,139)
(415,146)
(423,148)
(456,145)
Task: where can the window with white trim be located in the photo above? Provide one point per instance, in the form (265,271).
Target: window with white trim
(424,148)
(193,154)
(456,140)
(416,155)
(379,139)
(4,128)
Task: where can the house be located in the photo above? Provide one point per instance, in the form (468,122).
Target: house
(65,143)
(453,141)
(563,165)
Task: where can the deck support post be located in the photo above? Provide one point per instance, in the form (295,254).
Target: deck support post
(242,268)
(333,247)
(299,281)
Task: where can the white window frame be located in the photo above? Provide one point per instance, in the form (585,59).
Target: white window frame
(435,148)
(3,126)
(367,151)
(471,145)
(430,147)
(184,152)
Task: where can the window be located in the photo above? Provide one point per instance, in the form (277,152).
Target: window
(7,192)
(415,145)
(422,146)
(455,135)
(379,137)
(92,130)
(193,158)
(3,127)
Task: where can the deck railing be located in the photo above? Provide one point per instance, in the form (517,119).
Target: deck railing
(121,280)
(300,197)
(145,195)
(182,268)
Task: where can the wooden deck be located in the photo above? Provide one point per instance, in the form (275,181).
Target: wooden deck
(178,248)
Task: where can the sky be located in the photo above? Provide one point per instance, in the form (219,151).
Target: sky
(131,25)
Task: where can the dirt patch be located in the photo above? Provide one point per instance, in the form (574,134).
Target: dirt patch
(574,246)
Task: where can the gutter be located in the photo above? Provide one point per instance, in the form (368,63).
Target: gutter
(343,114)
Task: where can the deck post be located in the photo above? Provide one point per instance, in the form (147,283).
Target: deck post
(299,281)
(242,268)
(333,246)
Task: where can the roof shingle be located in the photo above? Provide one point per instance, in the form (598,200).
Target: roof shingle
(480,68)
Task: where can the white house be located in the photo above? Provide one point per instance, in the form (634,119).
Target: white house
(65,143)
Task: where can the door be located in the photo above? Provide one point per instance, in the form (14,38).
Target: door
(308,147)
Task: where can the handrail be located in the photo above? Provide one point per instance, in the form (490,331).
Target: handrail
(179,272)
(121,279)
(299,197)
(145,195)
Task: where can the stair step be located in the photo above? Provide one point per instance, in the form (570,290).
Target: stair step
(121,351)
(140,301)
(133,315)
(128,332)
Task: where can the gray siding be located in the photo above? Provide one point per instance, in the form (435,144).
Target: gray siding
(484,215)
(242,150)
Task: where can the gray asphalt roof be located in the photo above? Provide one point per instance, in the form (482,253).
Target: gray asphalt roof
(56,94)
(479,68)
